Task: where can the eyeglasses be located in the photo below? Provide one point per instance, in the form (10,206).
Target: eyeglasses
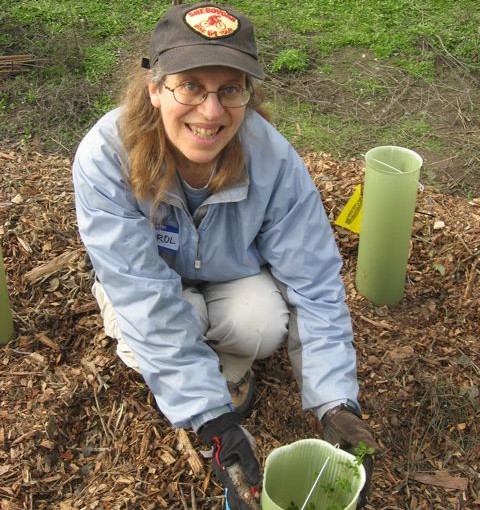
(192,93)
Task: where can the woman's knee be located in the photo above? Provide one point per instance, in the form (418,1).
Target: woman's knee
(250,325)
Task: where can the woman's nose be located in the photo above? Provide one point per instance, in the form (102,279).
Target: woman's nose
(211,108)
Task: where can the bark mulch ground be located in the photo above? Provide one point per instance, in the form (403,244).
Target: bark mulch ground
(78,430)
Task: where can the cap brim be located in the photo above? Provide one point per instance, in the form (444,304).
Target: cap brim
(184,58)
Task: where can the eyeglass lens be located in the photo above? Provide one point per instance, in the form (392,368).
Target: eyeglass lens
(195,94)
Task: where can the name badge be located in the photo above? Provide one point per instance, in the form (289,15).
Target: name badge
(168,238)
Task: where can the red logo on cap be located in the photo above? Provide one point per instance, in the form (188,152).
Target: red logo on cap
(212,22)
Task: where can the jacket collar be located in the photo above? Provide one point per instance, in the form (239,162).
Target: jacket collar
(176,197)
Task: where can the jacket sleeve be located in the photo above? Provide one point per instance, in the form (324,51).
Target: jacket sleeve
(158,325)
(297,241)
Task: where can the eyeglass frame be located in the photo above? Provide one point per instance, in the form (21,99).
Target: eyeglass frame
(205,95)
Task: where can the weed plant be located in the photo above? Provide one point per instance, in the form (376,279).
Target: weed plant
(290,60)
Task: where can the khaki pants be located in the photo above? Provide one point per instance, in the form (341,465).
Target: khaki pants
(242,320)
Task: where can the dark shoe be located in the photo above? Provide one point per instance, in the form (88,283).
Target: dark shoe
(243,394)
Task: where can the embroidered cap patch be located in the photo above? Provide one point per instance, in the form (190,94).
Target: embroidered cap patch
(212,22)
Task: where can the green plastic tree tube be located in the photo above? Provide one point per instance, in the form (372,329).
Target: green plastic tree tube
(311,471)
(6,323)
(389,196)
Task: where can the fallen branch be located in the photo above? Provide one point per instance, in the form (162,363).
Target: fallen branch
(45,340)
(382,325)
(53,265)
(16,63)
(470,279)
(442,479)
(192,456)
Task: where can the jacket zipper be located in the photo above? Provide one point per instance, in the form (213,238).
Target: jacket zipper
(198,262)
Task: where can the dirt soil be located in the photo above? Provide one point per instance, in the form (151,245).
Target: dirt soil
(78,430)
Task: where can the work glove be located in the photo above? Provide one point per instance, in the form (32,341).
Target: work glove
(344,426)
(233,460)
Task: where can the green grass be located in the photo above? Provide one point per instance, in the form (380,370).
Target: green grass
(81,48)
(342,136)
(388,28)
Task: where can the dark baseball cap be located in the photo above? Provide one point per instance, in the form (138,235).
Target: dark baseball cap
(198,35)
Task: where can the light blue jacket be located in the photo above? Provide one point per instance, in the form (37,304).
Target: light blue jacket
(274,217)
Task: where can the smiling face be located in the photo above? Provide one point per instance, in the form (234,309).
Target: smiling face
(199,133)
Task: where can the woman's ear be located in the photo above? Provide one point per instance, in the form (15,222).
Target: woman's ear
(154,93)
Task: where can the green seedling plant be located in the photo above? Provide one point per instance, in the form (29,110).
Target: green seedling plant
(293,506)
(290,60)
(342,484)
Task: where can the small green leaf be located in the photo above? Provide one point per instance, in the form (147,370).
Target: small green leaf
(439,268)
(464,361)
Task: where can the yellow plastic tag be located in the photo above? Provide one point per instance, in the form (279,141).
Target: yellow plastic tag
(351,215)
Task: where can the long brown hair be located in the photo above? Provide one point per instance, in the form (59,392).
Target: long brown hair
(151,160)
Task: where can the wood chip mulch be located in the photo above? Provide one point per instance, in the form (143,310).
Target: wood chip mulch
(78,430)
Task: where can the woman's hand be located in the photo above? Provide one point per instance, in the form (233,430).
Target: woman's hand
(234,461)
(343,425)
